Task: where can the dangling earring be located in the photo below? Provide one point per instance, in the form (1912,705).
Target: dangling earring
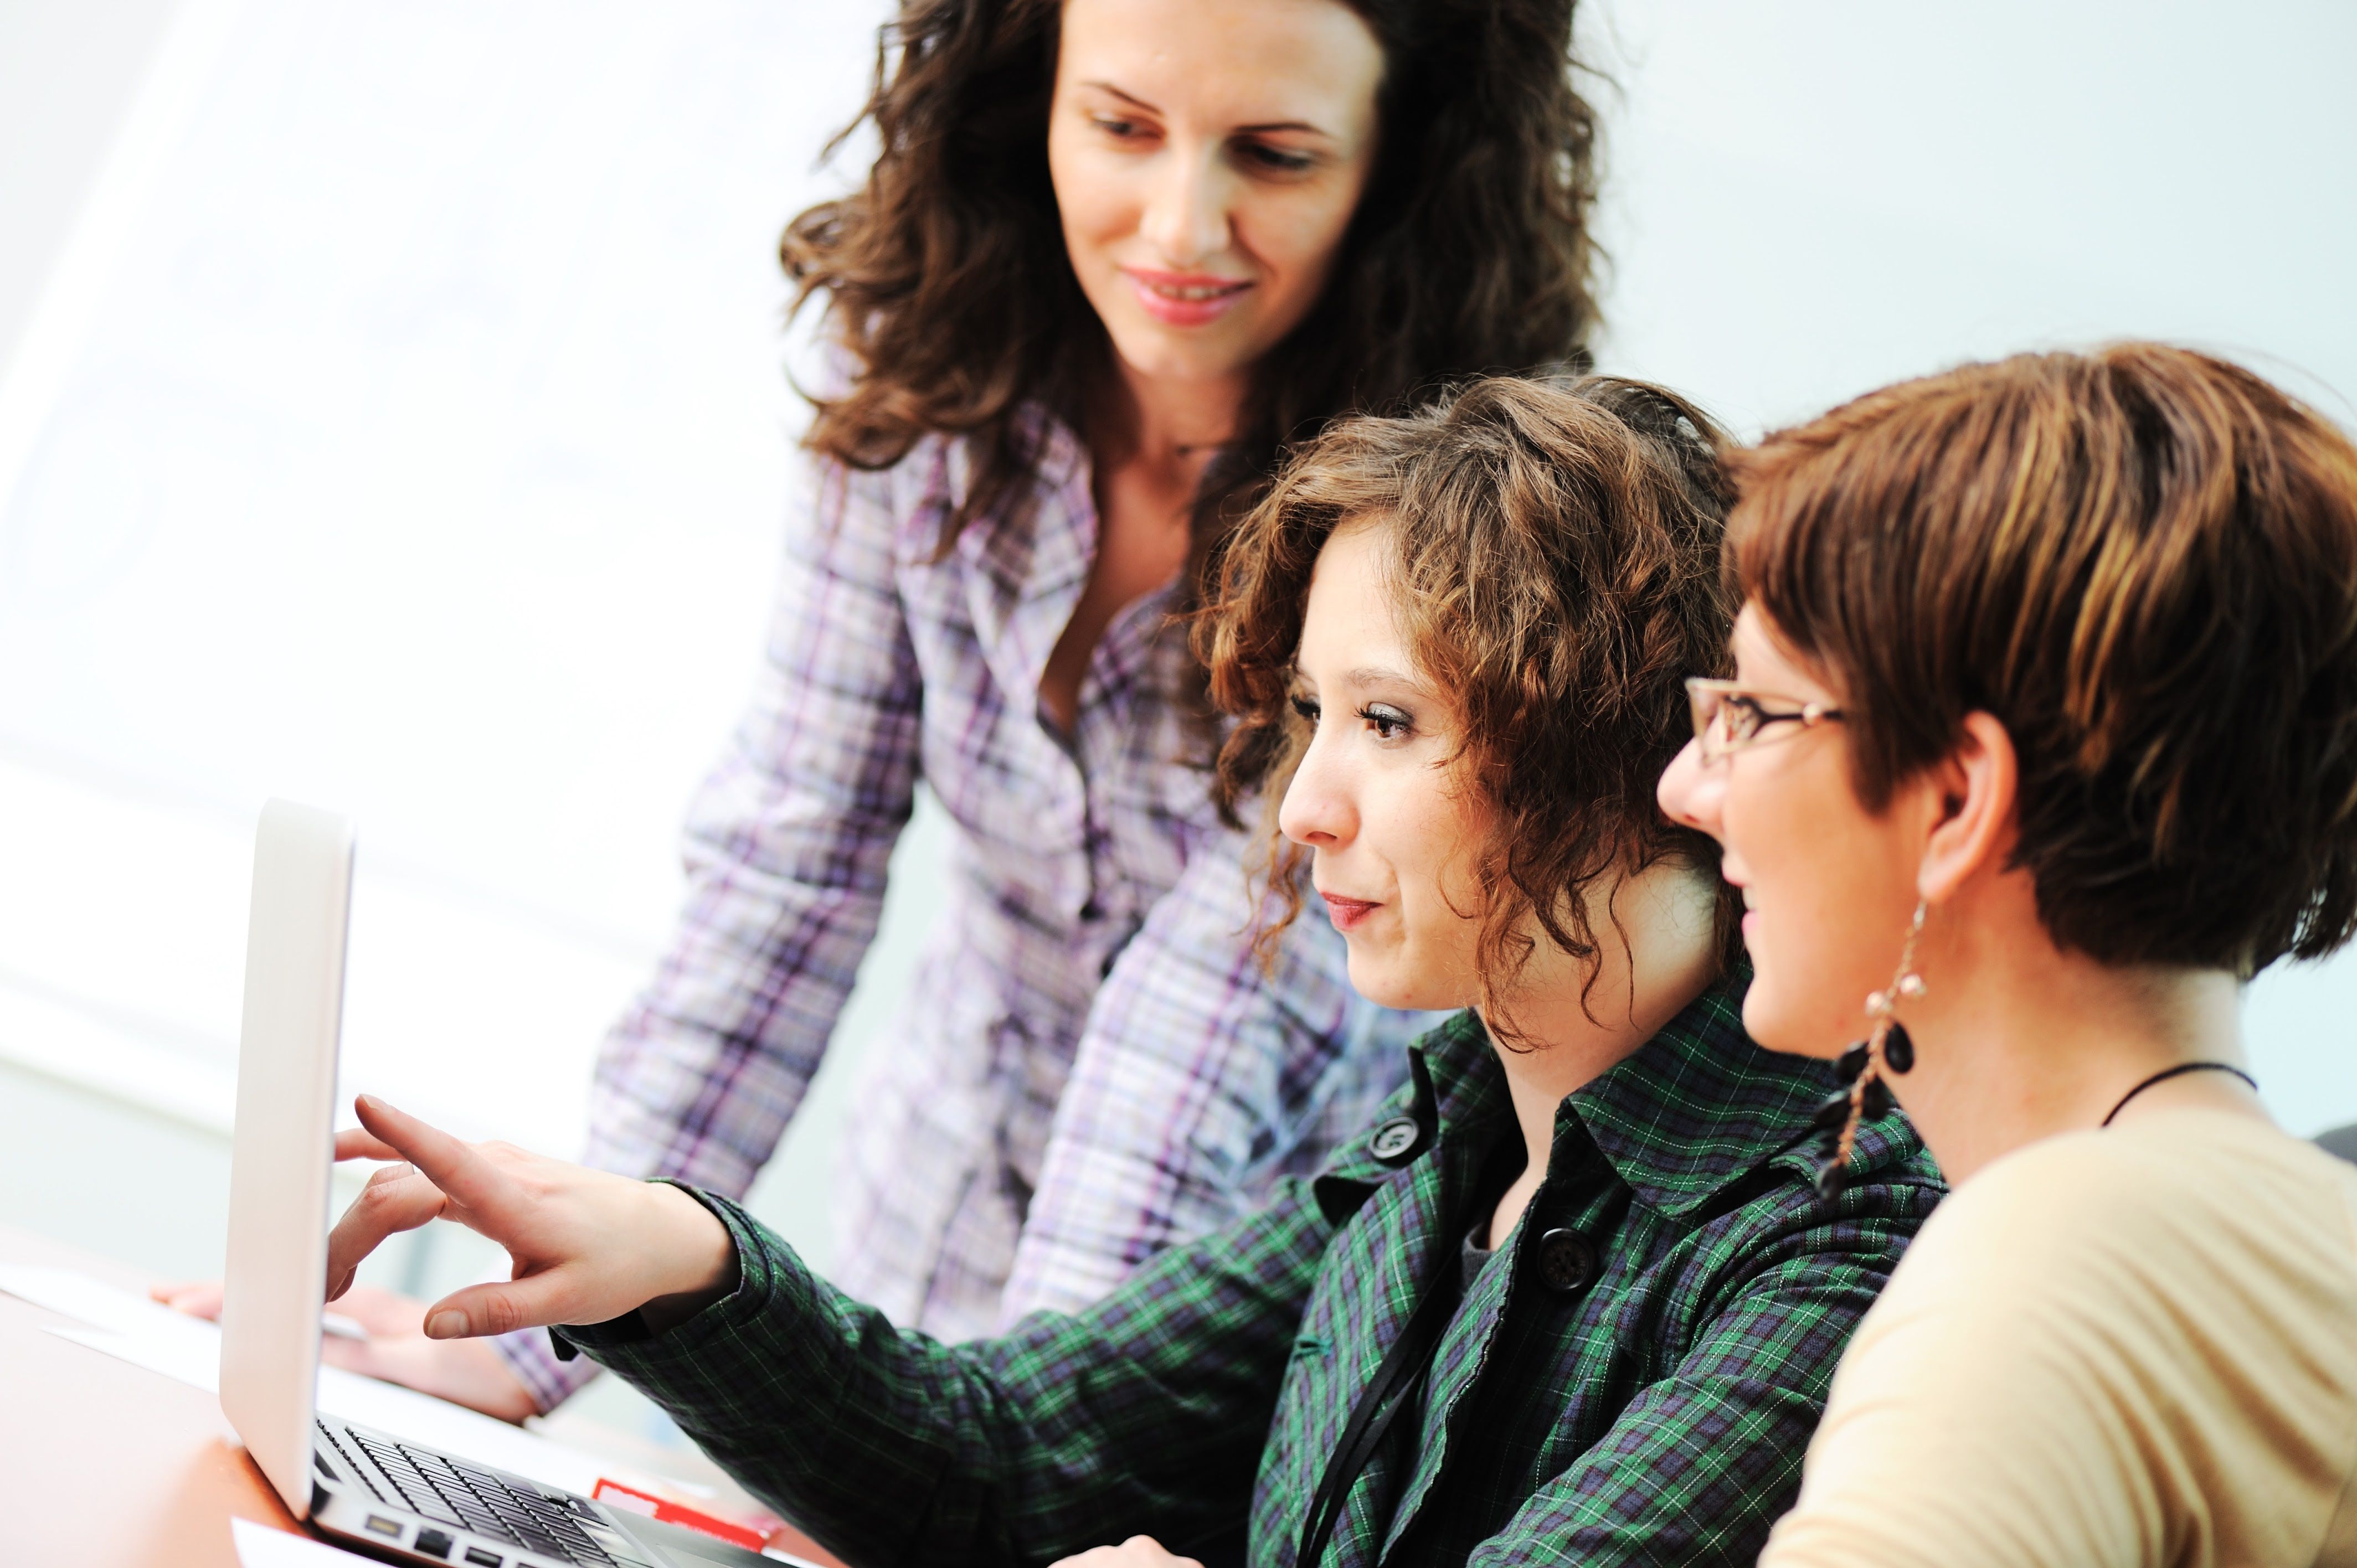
(1885,1049)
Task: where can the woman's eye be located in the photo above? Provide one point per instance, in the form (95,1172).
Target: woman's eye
(1276,160)
(1120,129)
(1388,723)
(1307,708)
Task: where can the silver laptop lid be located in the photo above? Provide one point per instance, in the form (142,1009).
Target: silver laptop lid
(285,1154)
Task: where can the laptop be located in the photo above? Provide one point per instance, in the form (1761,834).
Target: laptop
(358,1486)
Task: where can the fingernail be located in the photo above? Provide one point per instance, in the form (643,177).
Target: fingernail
(446,1325)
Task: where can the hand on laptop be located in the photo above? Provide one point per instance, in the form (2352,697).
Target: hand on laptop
(588,1246)
(464,1372)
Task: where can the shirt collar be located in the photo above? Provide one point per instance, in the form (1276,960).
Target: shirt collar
(1698,1106)
(1696,1109)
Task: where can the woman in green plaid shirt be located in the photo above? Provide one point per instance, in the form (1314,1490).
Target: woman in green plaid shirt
(1576,1296)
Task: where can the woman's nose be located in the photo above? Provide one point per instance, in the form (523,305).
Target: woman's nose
(1187,215)
(1690,793)
(1317,813)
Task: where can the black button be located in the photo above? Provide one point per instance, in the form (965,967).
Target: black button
(1566,1261)
(1394,1143)
(1093,912)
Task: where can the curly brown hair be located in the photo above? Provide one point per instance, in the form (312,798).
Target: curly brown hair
(2143,561)
(1554,554)
(947,279)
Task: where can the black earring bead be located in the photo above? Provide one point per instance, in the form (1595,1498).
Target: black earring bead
(1830,1112)
(1898,1050)
(1850,1063)
(1877,1102)
(1831,1180)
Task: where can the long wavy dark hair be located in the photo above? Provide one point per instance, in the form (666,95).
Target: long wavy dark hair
(947,279)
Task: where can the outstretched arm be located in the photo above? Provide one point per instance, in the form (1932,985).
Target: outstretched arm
(1145,1414)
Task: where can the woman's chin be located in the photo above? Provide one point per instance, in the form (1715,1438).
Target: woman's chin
(1383,983)
(1788,1031)
(1161,352)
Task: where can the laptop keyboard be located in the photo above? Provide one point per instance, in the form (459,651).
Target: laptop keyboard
(454,1492)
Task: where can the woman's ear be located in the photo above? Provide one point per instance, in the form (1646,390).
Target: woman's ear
(1973,825)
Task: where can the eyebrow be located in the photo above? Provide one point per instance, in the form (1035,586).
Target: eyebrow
(1261,129)
(1376,675)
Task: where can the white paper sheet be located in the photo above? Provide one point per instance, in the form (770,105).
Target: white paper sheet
(259,1546)
(198,1366)
(120,1323)
(102,1306)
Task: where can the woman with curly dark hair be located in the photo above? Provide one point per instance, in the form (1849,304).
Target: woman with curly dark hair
(1112,257)
(1573,1297)
(1109,260)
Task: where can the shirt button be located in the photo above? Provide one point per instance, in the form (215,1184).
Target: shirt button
(1396,1139)
(1566,1261)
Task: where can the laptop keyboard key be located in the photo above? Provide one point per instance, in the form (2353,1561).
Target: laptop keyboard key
(452,1492)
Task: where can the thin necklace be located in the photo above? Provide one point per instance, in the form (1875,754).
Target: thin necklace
(2168,1072)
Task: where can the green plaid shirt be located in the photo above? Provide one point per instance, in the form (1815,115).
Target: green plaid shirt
(1653,1411)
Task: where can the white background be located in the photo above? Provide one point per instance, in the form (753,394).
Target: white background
(393,415)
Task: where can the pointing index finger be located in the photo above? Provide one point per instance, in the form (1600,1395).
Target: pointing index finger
(451,1163)
(359,1144)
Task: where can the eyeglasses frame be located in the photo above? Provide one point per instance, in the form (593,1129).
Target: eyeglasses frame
(1805,717)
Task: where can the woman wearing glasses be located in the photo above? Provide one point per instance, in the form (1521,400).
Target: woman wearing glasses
(1575,1298)
(2043,741)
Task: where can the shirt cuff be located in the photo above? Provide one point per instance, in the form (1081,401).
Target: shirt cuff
(547,1376)
(626,1337)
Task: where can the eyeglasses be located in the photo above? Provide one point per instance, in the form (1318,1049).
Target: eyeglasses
(1728,719)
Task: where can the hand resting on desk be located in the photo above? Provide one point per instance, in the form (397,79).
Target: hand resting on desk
(464,1372)
(587,1246)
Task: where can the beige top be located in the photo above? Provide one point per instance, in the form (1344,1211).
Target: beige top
(2134,1347)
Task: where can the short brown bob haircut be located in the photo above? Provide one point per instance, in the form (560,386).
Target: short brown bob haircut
(1554,552)
(2141,561)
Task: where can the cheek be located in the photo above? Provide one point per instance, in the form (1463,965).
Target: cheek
(1093,199)
(1821,876)
(1432,844)
(1297,235)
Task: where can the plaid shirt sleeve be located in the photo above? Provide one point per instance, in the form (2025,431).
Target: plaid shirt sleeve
(1199,1080)
(1659,1415)
(1703,1460)
(787,844)
(1146,1411)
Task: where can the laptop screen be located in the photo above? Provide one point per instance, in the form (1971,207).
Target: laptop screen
(285,1153)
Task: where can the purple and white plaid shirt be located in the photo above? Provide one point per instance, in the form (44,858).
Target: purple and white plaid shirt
(1089,947)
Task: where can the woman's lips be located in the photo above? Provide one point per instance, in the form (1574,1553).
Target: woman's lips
(1184,299)
(1348,912)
